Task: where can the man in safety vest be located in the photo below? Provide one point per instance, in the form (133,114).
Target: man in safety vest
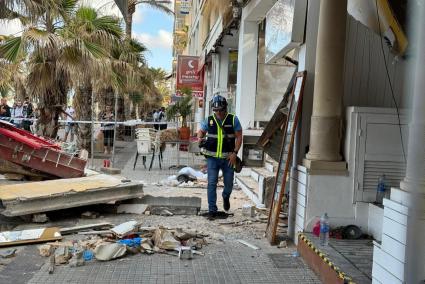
(223,140)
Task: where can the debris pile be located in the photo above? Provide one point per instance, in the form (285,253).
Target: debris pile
(126,238)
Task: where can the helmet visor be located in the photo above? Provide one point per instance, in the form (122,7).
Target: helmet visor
(218,105)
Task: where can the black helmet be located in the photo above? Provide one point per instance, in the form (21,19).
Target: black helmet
(218,103)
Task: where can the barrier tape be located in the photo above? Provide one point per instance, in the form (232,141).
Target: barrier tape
(128,122)
(347,279)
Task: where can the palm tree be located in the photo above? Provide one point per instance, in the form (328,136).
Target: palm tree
(38,49)
(128,104)
(156,4)
(131,52)
(89,39)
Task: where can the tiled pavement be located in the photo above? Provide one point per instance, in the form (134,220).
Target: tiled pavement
(230,262)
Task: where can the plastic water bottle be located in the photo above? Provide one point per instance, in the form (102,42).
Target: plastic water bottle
(324,230)
(380,190)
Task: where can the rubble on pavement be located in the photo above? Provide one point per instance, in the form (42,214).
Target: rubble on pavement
(126,238)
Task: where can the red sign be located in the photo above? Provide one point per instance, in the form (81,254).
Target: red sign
(188,75)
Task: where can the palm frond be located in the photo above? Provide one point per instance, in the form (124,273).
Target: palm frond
(157,5)
(11,48)
(39,38)
(108,24)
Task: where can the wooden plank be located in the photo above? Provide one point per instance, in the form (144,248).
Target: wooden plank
(295,103)
(75,229)
(48,234)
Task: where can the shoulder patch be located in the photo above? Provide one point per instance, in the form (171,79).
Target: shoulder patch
(211,122)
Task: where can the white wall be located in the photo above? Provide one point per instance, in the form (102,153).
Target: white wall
(366,82)
(331,194)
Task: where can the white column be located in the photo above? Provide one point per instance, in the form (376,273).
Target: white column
(325,132)
(224,70)
(247,73)
(414,181)
(400,257)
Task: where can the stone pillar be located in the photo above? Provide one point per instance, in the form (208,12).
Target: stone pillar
(325,132)
(247,73)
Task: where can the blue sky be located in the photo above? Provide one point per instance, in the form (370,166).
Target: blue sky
(150,26)
(155,29)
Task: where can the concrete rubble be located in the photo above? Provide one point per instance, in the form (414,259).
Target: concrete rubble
(126,238)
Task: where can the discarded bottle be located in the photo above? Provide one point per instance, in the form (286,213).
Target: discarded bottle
(324,230)
(380,190)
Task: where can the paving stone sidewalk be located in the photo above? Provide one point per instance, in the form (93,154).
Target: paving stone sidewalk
(226,262)
(230,262)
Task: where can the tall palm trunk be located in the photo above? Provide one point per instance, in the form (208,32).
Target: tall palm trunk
(105,97)
(51,101)
(50,107)
(126,102)
(83,111)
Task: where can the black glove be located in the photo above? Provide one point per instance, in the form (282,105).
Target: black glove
(202,143)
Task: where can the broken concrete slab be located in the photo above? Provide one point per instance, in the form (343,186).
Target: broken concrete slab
(110,171)
(180,205)
(132,208)
(44,196)
(39,218)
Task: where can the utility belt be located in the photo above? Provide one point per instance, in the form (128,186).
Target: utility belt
(208,153)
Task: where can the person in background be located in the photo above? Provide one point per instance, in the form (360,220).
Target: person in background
(107,129)
(18,114)
(69,124)
(224,139)
(28,109)
(5,112)
(162,118)
(156,119)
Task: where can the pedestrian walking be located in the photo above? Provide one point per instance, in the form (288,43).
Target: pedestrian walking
(107,129)
(223,133)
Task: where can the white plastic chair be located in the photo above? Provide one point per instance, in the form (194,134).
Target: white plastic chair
(148,142)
